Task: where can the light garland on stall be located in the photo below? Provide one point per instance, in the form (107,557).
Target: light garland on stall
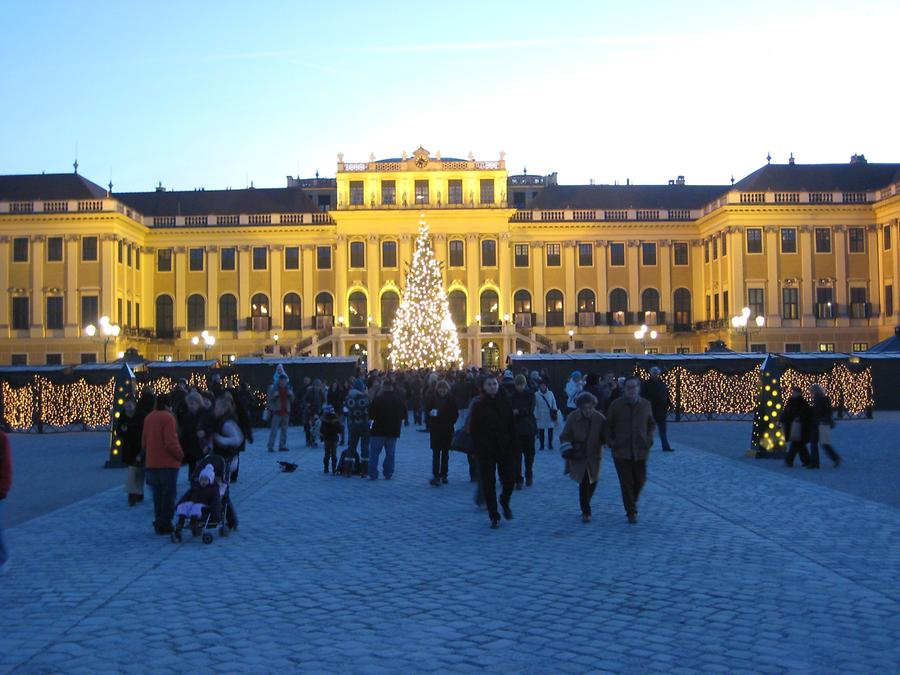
(424,335)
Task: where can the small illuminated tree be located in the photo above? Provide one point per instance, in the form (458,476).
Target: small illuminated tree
(124,387)
(424,335)
(768,437)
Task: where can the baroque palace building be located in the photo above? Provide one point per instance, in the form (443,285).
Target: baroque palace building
(317,267)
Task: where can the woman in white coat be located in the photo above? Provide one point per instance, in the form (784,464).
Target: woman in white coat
(546,413)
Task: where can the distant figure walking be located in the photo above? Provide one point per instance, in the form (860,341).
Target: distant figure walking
(629,432)
(388,411)
(6,469)
(522,402)
(656,391)
(279,401)
(546,414)
(442,415)
(573,388)
(494,439)
(796,419)
(820,429)
(584,430)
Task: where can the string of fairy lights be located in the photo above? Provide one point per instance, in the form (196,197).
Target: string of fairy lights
(424,335)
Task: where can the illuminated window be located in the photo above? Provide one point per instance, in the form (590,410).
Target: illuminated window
(555,313)
(790,303)
(293,314)
(824,302)
(520,255)
(292,257)
(586,300)
(324,304)
(682,307)
(554,257)
(490,308)
(682,350)
(357,193)
(522,302)
(860,346)
(826,346)
(358,310)
(421,192)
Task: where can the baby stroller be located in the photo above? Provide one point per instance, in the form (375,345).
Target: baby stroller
(228,517)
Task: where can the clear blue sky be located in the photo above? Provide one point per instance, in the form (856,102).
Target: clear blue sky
(217,94)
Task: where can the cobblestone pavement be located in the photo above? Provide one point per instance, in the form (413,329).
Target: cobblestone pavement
(731,569)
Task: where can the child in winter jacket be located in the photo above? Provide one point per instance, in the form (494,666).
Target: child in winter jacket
(204,494)
(330,429)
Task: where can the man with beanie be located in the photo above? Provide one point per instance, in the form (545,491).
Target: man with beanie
(5,485)
(387,411)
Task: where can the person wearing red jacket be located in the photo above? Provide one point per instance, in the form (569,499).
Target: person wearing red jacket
(163,457)
(5,485)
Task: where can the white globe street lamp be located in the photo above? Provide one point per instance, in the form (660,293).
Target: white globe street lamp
(108,331)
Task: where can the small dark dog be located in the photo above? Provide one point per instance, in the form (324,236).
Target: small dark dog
(288,467)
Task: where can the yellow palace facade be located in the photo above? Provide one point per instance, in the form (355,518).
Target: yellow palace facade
(317,267)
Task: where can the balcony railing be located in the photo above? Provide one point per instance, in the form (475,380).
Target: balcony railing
(826,310)
(260,323)
(711,324)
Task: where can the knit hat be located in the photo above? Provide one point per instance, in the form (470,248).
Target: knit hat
(209,472)
(521,381)
(507,375)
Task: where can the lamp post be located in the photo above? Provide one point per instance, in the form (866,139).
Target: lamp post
(108,331)
(206,339)
(275,338)
(643,333)
(742,324)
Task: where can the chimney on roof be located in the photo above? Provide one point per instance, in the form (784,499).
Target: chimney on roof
(679,180)
(856,160)
(791,159)
(160,188)
(671,182)
(627,181)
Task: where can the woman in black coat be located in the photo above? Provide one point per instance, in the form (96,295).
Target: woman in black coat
(821,426)
(795,420)
(522,402)
(494,440)
(442,413)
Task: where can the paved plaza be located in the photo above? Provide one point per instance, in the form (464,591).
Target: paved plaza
(732,568)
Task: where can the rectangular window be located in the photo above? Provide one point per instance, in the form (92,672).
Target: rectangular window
(648,254)
(164,260)
(260,258)
(488,253)
(89,249)
(790,303)
(724,245)
(725,304)
(128,313)
(788,240)
(758,348)
(388,192)
(715,249)
(826,347)
(90,310)
(617,254)
(323,257)
(228,260)
(824,302)
(554,258)
(857,239)
(195,259)
(137,258)
(389,254)
(823,240)
(756,301)
(487,191)
(791,347)
(520,255)
(20,249)
(454,192)
(292,257)
(54,249)
(716,314)
(859,303)
(860,346)
(120,315)
(88,357)
(457,253)
(889,300)
(754,240)
(708,305)
(129,252)
(357,254)
(585,254)
(121,251)
(421,192)
(357,193)
(706,251)
(886,234)
(20,313)
(53,359)
(55,313)
(18,359)
(681,253)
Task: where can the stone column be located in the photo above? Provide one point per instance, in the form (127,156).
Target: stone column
(244,291)
(108,274)
(308,301)
(276,305)
(570,304)
(148,306)
(537,265)
(505,275)
(739,298)
(179,261)
(634,282)
(37,285)
(473,264)
(601,258)
(72,261)
(340,280)
(839,248)
(698,289)
(440,254)
(807,283)
(212,289)
(373,280)
(773,281)
(4,284)
(664,259)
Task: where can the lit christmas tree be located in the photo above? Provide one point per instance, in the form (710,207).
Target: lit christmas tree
(768,437)
(424,335)
(118,428)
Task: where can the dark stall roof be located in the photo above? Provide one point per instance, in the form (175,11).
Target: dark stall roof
(627,196)
(219,202)
(50,186)
(888,346)
(856,177)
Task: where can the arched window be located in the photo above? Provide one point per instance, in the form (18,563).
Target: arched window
(358,309)
(555,313)
(324,304)
(196,313)
(293,315)
(259,305)
(490,308)
(650,300)
(587,301)
(390,301)
(228,313)
(522,302)
(457,301)
(165,317)
(682,306)
(618,306)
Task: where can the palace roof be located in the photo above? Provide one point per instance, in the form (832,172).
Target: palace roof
(49,186)
(218,202)
(854,177)
(627,196)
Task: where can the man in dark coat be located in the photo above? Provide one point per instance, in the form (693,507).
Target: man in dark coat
(493,436)
(656,391)
(629,432)
(388,412)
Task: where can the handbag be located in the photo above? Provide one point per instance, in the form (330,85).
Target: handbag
(825,434)
(796,434)
(462,442)
(554,413)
